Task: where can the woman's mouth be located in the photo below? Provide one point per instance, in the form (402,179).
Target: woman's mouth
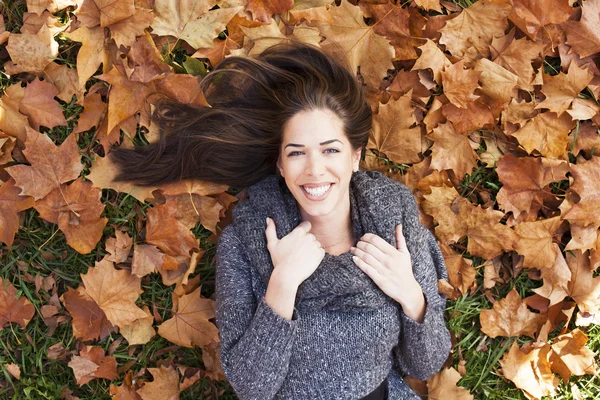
(317,193)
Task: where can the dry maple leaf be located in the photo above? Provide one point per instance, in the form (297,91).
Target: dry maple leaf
(91,363)
(394,133)
(12,122)
(461,273)
(10,205)
(586,183)
(517,58)
(92,52)
(443,385)
(459,84)
(530,370)
(12,309)
(583,287)
(146,259)
(263,11)
(30,53)
(583,36)
(190,325)
(167,232)
(358,42)
(475,26)
(139,331)
(50,165)
(510,317)
(451,151)
(556,280)
(443,204)
(531,16)
(476,116)
(570,356)
(65,80)
(114,291)
(546,133)
(562,89)
(191,20)
(118,247)
(76,209)
(146,60)
(524,181)
(94,110)
(497,82)
(164,387)
(38,6)
(89,321)
(582,238)
(536,242)
(127,391)
(434,58)
(39,105)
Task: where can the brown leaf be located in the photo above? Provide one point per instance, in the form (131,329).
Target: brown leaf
(263,11)
(530,370)
(443,385)
(570,356)
(12,122)
(510,317)
(475,26)
(119,247)
(127,391)
(31,53)
(76,209)
(89,321)
(164,387)
(146,259)
(190,325)
(533,15)
(562,89)
(517,58)
(459,84)
(50,165)
(583,287)
(125,31)
(10,205)
(524,181)
(114,291)
(139,331)
(536,242)
(546,133)
(94,110)
(65,79)
(586,182)
(451,151)
(394,132)
(434,58)
(556,280)
(461,273)
(359,43)
(146,60)
(14,370)
(92,52)
(167,232)
(191,21)
(583,36)
(91,364)
(12,309)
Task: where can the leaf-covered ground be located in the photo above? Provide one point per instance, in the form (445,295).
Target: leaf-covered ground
(487,110)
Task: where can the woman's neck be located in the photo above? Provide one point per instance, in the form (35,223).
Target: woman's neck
(333,230)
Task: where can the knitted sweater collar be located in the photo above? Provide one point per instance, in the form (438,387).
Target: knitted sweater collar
(337,284)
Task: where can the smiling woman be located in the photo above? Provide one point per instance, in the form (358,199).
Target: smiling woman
(326,282)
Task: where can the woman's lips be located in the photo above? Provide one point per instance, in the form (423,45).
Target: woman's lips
(317,198)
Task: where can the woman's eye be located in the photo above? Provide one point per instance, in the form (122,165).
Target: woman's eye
(332,150)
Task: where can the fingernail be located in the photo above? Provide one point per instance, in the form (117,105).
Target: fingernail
(268,220)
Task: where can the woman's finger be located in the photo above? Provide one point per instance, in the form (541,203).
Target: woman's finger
(367,269)
(400,239)
(378,242)
(367,258)
(372,250)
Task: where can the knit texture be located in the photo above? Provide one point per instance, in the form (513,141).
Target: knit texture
(346,336)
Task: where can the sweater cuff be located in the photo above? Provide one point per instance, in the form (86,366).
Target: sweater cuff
(410,325)
(268,324)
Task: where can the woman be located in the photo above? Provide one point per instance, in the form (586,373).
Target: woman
(326,284)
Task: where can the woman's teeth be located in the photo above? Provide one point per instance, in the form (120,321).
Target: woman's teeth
(317,192)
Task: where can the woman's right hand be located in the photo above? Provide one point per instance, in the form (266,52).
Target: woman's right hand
(295,256)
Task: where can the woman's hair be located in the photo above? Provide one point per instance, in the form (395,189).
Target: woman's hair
(236,140)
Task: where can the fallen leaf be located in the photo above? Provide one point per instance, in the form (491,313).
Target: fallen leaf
(13,309)
(510,317)
(165,385)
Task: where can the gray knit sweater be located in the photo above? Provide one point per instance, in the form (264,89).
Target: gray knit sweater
(328,353)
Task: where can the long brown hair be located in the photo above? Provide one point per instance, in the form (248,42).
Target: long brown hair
(236,140)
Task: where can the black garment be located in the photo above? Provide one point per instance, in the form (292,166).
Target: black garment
(381,393)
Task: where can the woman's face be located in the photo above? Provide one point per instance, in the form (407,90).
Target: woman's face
(316,160)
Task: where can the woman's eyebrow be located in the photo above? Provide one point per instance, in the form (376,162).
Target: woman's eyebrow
(321,144)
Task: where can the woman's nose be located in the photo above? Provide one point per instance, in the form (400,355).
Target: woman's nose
(315,166)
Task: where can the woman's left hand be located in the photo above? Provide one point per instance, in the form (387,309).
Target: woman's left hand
(390,268)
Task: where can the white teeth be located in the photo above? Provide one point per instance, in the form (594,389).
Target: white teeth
(317,192)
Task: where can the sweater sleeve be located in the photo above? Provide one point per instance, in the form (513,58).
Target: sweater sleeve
(256,342)
(423,347)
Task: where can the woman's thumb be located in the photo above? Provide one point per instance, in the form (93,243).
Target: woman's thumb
(271,232)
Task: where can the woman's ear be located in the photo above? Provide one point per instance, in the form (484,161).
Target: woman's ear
(279,167)
(356,158)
